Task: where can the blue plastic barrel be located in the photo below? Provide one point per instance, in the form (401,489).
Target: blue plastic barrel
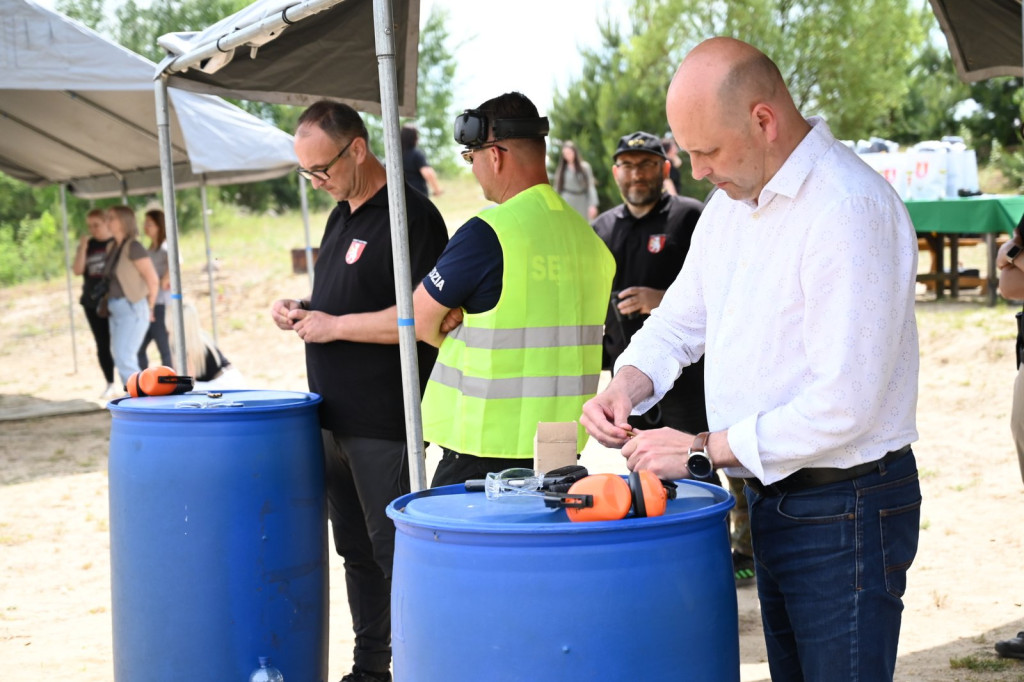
(218,544)
(509,590)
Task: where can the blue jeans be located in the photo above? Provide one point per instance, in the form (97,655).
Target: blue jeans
(128,324)
(831,571)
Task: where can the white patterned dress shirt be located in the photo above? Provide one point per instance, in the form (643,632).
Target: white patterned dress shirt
(803,304)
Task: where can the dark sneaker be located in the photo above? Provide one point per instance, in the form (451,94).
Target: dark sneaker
(742,569)
(360,675)
(1011,648)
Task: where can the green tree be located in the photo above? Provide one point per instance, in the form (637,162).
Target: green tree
(434,95)
(88,12)
(933,93)
(828,51)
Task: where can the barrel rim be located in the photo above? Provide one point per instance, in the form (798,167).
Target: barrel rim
(302,400)
(724,502)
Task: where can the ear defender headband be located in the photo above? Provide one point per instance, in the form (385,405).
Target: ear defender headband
(644,493)
(471,127)
(159,380)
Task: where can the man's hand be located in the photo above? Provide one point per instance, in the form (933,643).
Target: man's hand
(452,320)
(314,326)
(605,417)
(639,300)
(1002,262)
(281,310)
(662,451)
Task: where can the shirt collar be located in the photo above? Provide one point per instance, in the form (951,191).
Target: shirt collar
(795,170)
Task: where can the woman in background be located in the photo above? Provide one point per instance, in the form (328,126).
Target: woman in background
(133,291)
(206,363)
(574,181)
(418,172)
(153,225)
(90,261)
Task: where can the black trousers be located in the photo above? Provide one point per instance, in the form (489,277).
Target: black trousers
(363,476)
(456,467)
(101,332)
(157,332)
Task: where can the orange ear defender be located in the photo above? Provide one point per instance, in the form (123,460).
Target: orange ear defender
(160,380)
(613,497)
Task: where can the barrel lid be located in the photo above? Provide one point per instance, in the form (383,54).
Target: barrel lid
(451,507)
(216,401)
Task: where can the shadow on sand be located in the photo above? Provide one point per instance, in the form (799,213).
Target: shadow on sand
(42,438)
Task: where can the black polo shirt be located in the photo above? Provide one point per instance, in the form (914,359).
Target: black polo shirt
(649,252)
(361,383)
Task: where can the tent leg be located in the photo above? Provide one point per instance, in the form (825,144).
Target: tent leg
(209,258)
(67,270)
(385,43)
(163,126)
(304,201)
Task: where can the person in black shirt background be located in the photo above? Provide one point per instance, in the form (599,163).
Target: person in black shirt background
(350,327)
(418,172)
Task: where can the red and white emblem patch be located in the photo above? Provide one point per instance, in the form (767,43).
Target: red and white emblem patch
(656,242)
(355,250)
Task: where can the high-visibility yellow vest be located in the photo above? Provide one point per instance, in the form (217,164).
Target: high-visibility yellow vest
(536,356)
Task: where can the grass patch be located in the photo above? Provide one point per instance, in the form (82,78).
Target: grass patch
(980,663)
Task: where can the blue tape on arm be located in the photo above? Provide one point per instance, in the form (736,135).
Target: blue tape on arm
(406,322)
(175,297)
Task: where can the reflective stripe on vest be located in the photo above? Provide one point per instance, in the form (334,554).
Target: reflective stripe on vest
(528,337)
(516,387)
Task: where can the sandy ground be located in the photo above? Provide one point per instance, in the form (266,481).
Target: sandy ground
(55,623)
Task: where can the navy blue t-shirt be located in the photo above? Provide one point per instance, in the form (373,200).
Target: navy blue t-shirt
(468,273)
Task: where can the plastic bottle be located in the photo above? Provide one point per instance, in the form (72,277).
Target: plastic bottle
(266,672)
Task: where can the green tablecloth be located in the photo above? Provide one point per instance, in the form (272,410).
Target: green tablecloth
(969,215)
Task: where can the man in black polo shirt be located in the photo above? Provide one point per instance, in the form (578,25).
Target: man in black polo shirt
(350,327)
(649,235)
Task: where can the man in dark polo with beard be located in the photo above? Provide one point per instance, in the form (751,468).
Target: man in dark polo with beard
(649,235)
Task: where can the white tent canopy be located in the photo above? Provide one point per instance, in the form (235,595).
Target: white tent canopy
(78,109)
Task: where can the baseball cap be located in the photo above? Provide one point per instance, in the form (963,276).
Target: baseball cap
(640,142)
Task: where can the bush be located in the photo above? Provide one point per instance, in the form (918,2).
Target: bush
(35,250)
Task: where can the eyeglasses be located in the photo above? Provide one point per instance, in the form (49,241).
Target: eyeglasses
(643,167)
(321,174)
(467,154)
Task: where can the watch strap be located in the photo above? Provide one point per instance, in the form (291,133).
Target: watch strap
(700,442)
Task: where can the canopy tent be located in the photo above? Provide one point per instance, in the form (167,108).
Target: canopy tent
(984,36)
(78,110)
(300,52)
(290,52)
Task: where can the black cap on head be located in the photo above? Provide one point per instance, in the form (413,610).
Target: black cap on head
(640,142)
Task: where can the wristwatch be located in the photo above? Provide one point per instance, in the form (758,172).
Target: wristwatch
(698,463)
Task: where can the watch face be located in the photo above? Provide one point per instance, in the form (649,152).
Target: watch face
(699,465)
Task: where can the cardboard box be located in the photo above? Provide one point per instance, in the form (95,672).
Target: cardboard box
(554,446)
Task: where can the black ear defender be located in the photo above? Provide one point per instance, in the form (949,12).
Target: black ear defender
(472,126)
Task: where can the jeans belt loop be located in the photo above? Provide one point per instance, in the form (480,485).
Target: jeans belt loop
(813,477)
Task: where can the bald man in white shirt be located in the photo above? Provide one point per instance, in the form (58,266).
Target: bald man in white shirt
(799,291)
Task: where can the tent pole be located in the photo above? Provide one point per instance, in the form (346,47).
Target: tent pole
(163,127)
(209,258)
(383,27)
(304,201)
(67,270)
